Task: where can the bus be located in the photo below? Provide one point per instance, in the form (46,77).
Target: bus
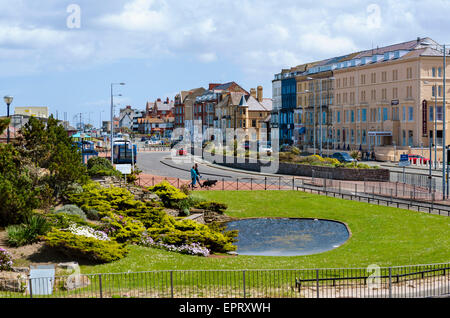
(123,153)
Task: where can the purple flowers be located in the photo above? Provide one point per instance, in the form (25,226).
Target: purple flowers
(191,249)
(5,260)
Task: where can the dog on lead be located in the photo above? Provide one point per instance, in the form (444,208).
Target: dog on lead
(209,184)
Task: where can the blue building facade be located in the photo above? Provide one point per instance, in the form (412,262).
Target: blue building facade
(288,105)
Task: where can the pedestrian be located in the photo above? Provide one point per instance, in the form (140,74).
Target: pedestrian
(198,175)
(194,177)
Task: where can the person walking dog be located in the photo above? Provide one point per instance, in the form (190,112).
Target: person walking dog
(198,175)
(194,177)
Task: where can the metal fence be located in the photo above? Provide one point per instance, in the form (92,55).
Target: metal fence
(398,195)
(386,282)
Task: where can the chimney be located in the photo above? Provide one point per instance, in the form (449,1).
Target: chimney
(213,85)
(260,94)
(253,92)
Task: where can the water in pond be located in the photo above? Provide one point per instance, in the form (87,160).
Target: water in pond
(287,237)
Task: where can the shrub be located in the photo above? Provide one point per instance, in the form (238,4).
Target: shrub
(71,209)
(168,194)
(123,228)
(63,220)
(92,215)
(99,167)
(103,199)
(27,233)
(5,260)
(212,206)
(87,231)
(85,247)
(188,232)
(191,249)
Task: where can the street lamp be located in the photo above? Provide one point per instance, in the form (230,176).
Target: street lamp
(112,121)
(8,100)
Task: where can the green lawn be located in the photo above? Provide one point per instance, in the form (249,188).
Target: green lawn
(380,235)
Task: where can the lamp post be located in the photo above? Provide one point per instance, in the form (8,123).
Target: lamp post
(112,121)
(8,101)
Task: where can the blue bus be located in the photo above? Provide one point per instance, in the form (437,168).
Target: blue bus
(123,152)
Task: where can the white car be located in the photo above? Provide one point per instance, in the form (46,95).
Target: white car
(265,149)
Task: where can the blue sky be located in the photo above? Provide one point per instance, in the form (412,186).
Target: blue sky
(159,47)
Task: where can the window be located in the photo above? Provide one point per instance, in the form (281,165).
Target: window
(433,72)
(353,137)
(353,116)
(363,141)
(385,114)
(395,93)
(404,113)
(409,92)
(440,91)
(409,73)
(344,82)
(363,79)
(384,77)
(364,115)
(431,114)
(384,94)
(440,72)
(379,114)
(253,122)
(338,116)
(358,118)
(395,75)
(403,138)
(373,78)
(363,96)
(410,138)
(358,137)
(433,91)
(439,113)
(411,113)
(373,94)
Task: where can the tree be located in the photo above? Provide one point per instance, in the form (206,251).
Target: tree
(4,123)
(18,191)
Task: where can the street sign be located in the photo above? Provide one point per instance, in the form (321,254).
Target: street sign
(404,164)
(404,158)
(124,168)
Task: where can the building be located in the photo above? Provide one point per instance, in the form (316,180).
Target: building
(41,112)
(378,100)
(126,116)
(160,109)
(205,104)
(184,102)
(245,111)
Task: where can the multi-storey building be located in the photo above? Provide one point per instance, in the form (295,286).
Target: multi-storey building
(183,107)
(250,112)
(204,106)
(380,100)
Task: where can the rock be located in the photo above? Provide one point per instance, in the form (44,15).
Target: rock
(13,282)
(172,212)
(68,265)
(76,281)
(24,270)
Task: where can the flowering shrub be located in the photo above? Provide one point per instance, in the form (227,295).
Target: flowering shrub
(85,247)
(191,249)
(5,260)
(87,232)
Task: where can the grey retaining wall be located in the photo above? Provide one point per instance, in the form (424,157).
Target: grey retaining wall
(305,170)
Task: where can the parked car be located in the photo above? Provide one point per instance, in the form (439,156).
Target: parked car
(343,157)
(415,159)
(265,148)
(182,152)
(285,148)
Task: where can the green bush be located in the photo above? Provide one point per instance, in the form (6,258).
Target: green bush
(85,247)
(168,194)
(188,232)
(123,229)
(212,206)
(63,220)
(71,209)
(27,233)
(92,215)
(104,199)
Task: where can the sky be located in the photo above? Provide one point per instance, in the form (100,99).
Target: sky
(65,54)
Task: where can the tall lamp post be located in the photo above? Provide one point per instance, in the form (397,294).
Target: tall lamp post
(112,121)
(8,101)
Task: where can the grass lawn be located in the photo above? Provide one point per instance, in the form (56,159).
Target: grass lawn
(380,235)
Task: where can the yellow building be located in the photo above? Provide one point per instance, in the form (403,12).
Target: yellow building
(41,112)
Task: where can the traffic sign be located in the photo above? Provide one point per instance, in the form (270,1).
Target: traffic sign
(404,164)
(404,158)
